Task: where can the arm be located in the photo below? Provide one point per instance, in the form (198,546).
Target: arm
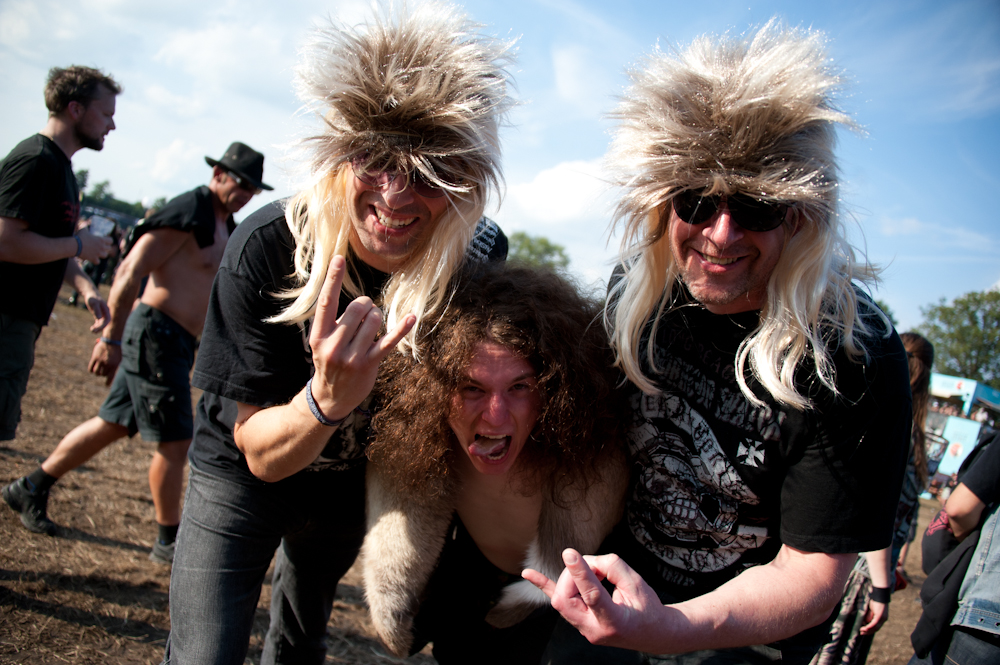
(19,245)
(795,591)
(281,440)
(75,277)
(964,510)
(879,567)
(151,251)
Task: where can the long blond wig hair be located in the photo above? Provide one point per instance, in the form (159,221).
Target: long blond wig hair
(415,90)
(752,115)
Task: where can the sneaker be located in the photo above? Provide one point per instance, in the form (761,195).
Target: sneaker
(31,505)
(162,553)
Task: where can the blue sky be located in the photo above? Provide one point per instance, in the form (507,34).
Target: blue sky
(923,80)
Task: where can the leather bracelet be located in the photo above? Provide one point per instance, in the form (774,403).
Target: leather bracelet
(79,246)
(111,342)
(881,595)
(323,420)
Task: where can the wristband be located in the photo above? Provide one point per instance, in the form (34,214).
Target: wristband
(881,595)
(111,342)
(79,246)
(315,409)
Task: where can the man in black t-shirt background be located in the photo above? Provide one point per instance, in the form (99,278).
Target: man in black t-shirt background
(179,248)
(39,210)
(770,396)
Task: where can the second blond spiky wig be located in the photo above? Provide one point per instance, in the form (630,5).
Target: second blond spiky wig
(731,115)
(414,89)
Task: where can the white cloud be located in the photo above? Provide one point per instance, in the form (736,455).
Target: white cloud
(566,192)
(936,235)
(185,106)
(172,160)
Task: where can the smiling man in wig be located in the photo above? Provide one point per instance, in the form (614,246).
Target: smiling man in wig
(411,104)
(771,405)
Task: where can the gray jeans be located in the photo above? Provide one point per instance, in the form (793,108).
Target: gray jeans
(229,531)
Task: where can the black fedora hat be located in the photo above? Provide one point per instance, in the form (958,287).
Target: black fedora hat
(244,161)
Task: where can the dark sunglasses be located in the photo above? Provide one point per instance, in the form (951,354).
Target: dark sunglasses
(750,213)
(421,186)
(243,183)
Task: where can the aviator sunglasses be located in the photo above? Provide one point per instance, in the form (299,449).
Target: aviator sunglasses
(373,177)
(750,213)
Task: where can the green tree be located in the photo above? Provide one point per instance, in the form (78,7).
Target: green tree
(100,195)
(82,176)
(966,336)
(537,251)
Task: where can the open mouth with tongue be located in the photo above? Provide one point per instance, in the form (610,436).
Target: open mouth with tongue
(490,449)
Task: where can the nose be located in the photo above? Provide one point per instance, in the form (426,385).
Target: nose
(721,229)
(395,189)
(496,410)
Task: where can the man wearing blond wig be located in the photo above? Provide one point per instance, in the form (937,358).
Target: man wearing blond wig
(771,405)
(400,173)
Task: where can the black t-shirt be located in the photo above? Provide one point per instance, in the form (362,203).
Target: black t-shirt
(243,359)
(191,212)
(719,483)
(37,186)
(983,477)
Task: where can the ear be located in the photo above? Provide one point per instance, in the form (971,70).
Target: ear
(76,110)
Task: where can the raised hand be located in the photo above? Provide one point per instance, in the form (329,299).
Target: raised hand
(345,351)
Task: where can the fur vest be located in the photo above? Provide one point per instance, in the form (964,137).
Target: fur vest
(406,535)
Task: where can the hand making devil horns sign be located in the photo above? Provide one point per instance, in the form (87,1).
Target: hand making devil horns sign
(346,352)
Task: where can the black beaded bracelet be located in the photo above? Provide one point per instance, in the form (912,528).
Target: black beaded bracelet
(79,245)
(112,342)
(315,409)
(881,595)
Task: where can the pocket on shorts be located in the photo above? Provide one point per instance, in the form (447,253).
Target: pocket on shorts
(131,345)
(157,404)
(163,353)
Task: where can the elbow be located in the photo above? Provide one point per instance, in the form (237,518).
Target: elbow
(262,470)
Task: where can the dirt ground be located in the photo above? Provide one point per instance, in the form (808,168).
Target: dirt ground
(91,595)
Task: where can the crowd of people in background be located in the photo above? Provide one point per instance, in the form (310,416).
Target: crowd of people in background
(719,463)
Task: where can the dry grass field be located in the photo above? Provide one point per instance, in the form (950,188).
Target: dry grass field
(91,595)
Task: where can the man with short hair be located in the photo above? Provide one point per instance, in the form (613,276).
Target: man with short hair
(179,249)
(404,161)
(39,210)
(771,403)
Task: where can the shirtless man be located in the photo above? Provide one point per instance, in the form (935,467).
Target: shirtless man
(493,452)
(179,248)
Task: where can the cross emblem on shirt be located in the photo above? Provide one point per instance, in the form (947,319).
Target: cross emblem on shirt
(750,455)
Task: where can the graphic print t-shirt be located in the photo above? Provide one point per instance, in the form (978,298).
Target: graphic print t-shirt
(721,483)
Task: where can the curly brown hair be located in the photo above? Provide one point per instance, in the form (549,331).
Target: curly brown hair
(539,316)
(75,84)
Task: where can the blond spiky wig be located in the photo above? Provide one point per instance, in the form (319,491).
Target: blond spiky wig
(414,89)
(752,115)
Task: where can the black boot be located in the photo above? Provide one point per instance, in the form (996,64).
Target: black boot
(31,505)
